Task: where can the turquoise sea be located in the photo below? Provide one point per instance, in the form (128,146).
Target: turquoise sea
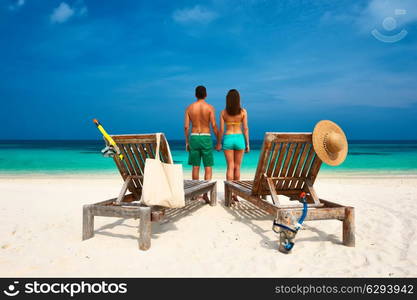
(54,157)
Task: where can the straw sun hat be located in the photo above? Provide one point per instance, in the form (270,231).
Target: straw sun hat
(330,143)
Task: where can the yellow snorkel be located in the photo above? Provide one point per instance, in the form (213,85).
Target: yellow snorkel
(108,138)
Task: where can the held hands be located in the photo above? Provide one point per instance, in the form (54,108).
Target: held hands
(219,147)
(187,147)
(247,149)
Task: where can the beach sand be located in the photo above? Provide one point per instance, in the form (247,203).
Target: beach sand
(41,218)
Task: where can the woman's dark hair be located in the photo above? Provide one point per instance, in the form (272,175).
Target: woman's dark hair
(200,92)
(233,103)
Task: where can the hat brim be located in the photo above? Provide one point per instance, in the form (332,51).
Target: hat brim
(320,130)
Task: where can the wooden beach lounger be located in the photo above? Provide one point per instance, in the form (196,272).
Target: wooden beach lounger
(135,149)
(288,165)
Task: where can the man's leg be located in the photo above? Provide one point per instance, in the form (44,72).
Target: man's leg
(196,173)
(208,173)
(208,161)
(194,157)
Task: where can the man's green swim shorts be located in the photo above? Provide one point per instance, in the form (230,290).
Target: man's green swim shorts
(201,147)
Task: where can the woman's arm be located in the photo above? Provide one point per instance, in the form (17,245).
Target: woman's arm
(246,129)
(220,136)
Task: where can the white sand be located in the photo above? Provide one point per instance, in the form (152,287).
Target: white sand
(40,232)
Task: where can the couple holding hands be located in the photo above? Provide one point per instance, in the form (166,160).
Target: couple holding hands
(200,117)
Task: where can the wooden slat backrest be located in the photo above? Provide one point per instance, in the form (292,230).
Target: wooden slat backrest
(289,159)
(136,148)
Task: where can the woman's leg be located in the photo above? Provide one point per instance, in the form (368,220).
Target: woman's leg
(238,156)
(230,164)
(230,157)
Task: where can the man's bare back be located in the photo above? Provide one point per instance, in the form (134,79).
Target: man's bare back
(201,115)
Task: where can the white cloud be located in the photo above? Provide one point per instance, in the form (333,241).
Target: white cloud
(196,14)
(64,12)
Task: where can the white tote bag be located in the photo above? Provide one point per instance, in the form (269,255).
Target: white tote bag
(162,183)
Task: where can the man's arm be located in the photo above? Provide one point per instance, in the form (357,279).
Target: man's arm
(213,123)
(186,129)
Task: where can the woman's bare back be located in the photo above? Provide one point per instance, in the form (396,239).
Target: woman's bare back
(233,123)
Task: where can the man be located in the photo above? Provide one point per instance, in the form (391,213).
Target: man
(199,143)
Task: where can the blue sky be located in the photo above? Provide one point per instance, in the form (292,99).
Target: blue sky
(134,65)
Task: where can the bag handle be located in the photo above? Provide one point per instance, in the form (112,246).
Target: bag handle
(169,154)
(158,143)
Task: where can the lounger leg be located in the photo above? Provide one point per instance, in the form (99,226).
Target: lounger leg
(227,196)
(144,228)
(349,227)
(213,195)
(88,222)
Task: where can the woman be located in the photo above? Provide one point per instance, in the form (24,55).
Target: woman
(236,135)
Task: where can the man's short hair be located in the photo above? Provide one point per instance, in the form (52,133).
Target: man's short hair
(200,92)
